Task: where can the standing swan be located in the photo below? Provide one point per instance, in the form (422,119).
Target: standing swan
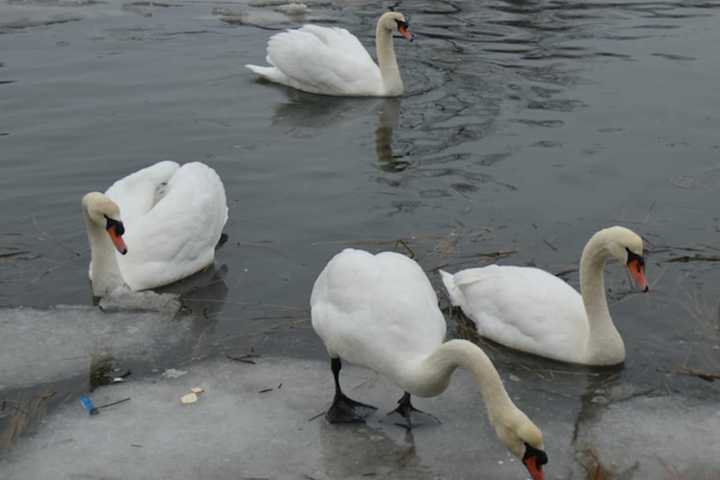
(380,311)
(164,220)
(534,311)
(332,61)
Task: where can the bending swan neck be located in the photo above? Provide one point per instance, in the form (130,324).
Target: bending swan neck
(432,375)
(604,343)
(104,270)
(389,70)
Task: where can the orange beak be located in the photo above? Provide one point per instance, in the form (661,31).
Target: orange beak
(117,240)
(406,33)
(535,470)
(637,270)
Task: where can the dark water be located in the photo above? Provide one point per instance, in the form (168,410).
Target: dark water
(527,126)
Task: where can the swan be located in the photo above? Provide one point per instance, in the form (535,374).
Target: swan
(381,312)
(332,61)
(534,311)
(164,221)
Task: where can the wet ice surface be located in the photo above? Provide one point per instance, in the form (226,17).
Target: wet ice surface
(259,421)
(527,126)
(234,430)
(48,345)
(657,437)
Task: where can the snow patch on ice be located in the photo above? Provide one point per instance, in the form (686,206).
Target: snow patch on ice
(41,346)
(657,437)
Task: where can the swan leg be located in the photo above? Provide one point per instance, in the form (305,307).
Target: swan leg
(343,409)
(408,412)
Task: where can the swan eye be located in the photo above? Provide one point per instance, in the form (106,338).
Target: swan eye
(116,224)
(401,25)
(634,257)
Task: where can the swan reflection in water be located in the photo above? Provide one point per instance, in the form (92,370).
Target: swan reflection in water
(387,123)
(303,110)
(367,451)
(203,298)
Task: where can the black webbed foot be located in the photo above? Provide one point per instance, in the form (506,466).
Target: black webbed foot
(344,409)
(347,410)
(410,416)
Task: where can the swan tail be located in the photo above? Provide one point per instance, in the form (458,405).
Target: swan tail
(265,72)
(272,74)
(456,296)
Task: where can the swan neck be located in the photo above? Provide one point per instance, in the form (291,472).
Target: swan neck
(440,365)
(104,269)
(389,70)
(604,344)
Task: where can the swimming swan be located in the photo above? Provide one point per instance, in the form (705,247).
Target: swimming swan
(380,311)
(332,61)
(163,220)
(534,311)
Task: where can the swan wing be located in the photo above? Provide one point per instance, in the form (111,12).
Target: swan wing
(177,235)
(525,308)
(376,310)
(324,60)
(138,193)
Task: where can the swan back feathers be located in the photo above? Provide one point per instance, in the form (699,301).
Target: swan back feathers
(379,311)
(174,216)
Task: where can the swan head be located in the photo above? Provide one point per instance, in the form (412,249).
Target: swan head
(103,212)
(396,21)
(627,247)
(525,441)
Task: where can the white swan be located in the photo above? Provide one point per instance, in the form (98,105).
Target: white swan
(165,220)
(380,311)
(534,311)
(332,61)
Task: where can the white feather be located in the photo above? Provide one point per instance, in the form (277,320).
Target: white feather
(524,308)
(173,219)
(332,61)
(380,311)
(376,310)
(534,311)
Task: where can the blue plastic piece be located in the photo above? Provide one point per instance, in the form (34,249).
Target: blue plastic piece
(88,404)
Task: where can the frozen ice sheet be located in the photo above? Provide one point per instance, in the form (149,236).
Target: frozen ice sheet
(39,346)
(235,431)
(657,437)
(256,421)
